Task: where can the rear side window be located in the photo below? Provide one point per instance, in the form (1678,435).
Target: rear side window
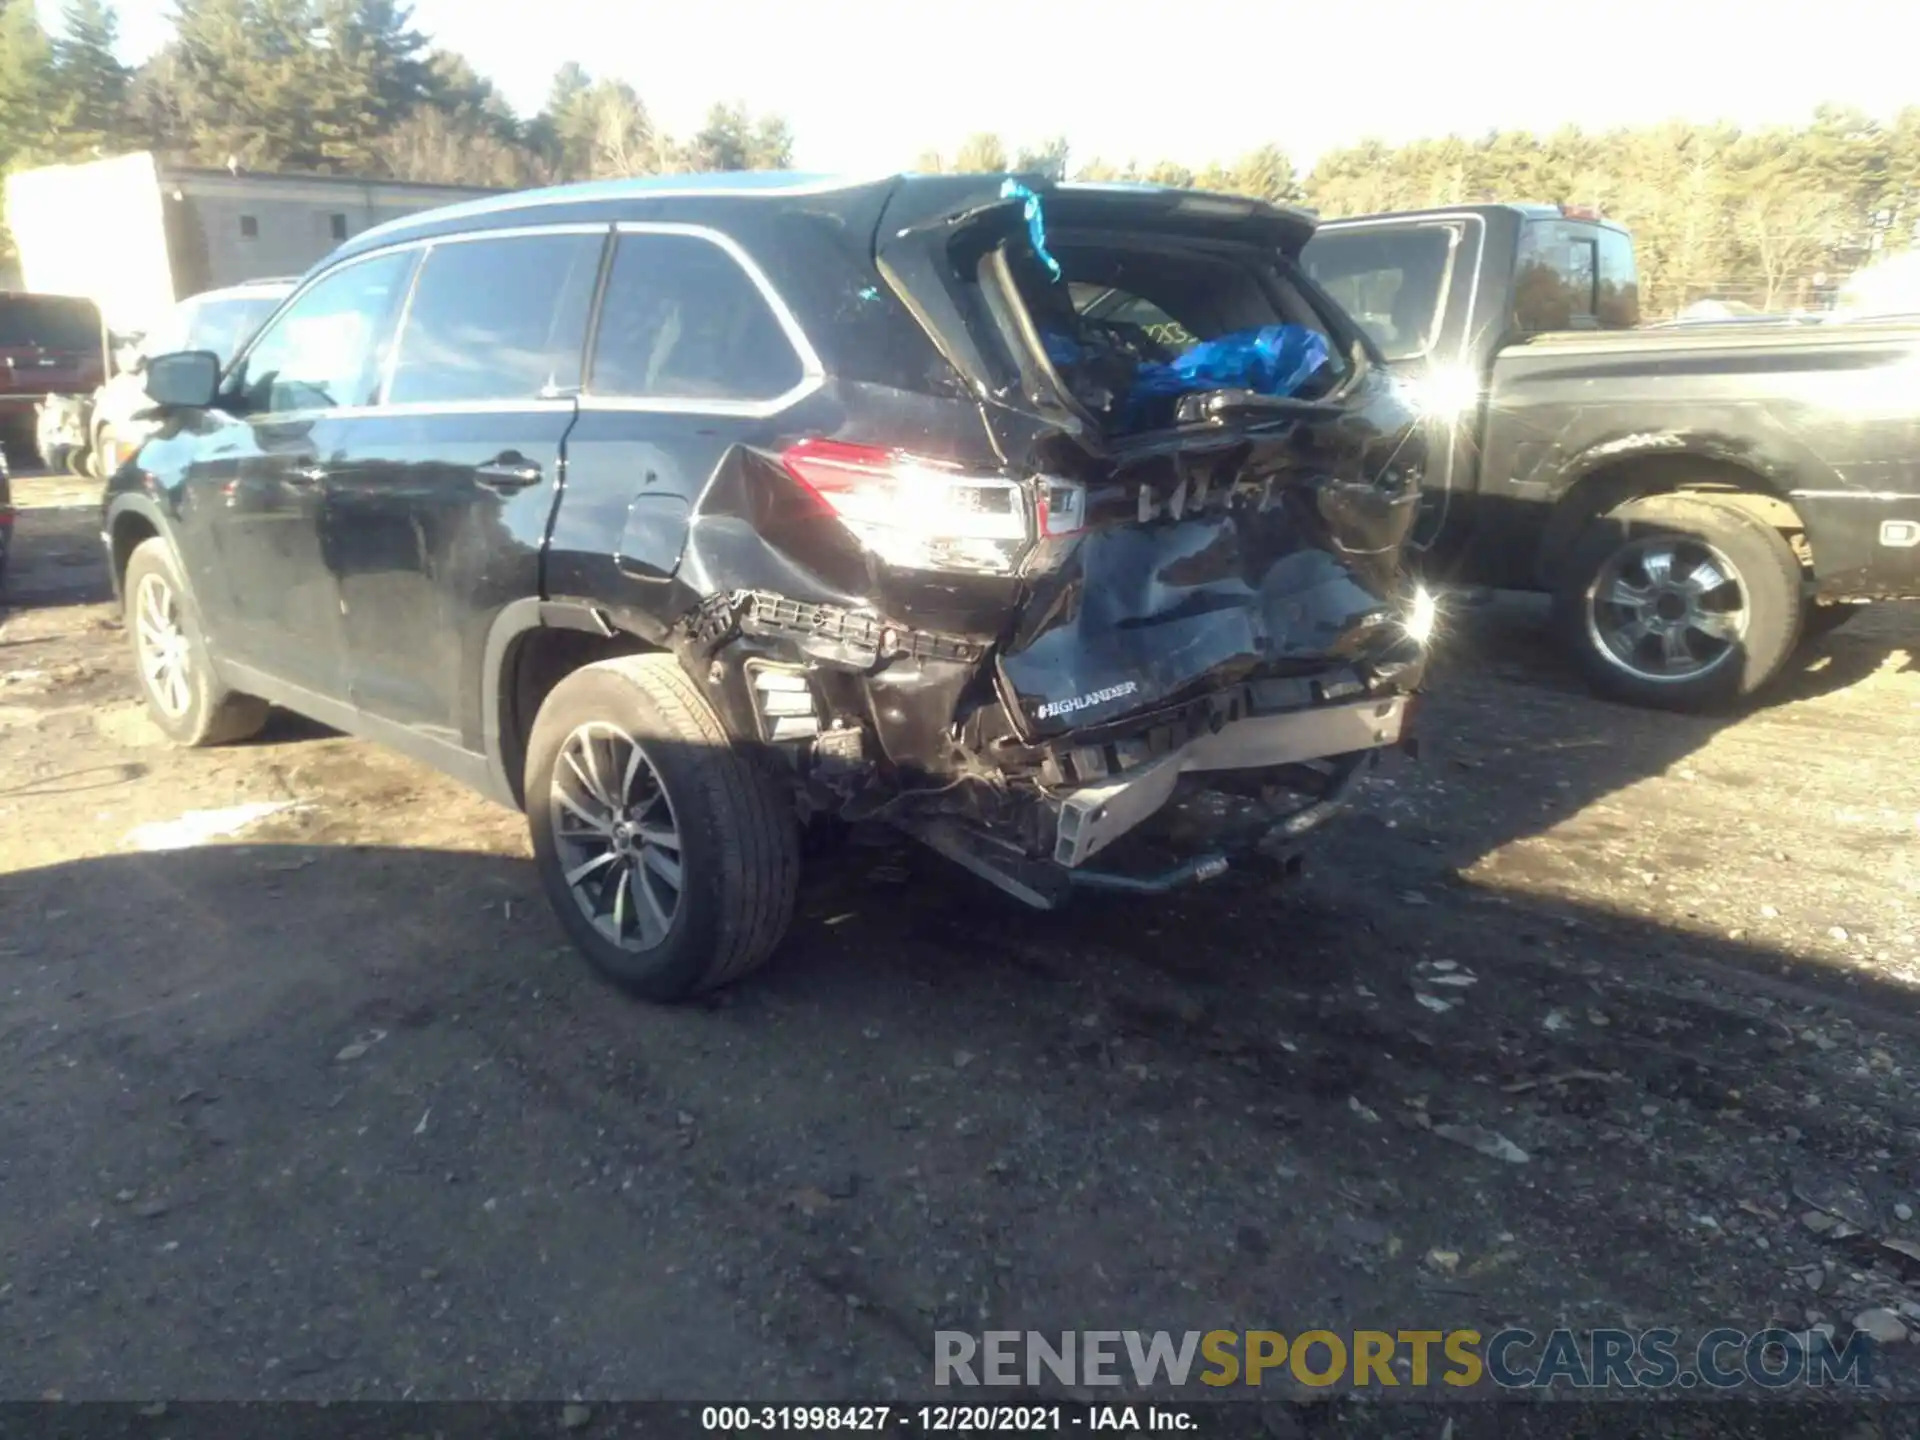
(683,321)
(1391,279)
(48,322)
(501,319)
(1619,300)
(1556,280)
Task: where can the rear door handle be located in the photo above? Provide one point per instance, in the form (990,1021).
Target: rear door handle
(507,473)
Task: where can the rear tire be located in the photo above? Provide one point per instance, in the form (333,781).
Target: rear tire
(669,859)
(183,695)
(1638,610)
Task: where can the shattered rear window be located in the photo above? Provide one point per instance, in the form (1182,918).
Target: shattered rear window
(1123,317)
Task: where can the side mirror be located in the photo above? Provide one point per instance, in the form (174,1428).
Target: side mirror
(184,380)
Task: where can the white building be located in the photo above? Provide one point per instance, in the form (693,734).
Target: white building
(135,234)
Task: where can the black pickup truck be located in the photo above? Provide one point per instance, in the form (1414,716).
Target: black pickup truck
(1695,498)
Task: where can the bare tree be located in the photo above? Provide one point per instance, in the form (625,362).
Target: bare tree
(1789,230)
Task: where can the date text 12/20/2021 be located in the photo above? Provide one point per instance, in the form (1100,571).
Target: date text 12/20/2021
(939,1419)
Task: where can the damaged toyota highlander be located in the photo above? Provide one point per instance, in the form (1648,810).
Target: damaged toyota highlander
(685,513)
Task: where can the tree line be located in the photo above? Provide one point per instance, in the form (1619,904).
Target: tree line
(331,86)
(1772,217)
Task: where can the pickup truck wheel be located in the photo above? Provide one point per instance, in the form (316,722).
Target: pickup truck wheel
(1680,603)
(670,860)
(183,695)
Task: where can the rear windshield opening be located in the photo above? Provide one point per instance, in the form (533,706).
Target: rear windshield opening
(1127,328)
(48,322)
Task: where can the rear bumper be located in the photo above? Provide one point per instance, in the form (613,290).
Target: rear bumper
(1092,817)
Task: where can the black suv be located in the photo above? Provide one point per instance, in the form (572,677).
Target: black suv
(683,513)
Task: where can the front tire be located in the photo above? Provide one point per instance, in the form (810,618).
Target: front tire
(1679,602)
(669,859)
(183,695)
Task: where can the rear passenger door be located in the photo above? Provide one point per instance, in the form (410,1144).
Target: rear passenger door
(694,354)
(437,522)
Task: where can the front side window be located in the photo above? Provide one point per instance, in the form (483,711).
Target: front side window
(683,321)
(323,351)
(502,319)
(223,326)
(1556,278)
(1391,280)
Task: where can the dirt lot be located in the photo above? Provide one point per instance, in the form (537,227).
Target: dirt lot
(329,1110)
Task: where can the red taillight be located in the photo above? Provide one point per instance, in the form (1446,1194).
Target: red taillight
(923,514)
(1580,212)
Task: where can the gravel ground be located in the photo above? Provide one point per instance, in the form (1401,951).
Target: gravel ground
(328,1109)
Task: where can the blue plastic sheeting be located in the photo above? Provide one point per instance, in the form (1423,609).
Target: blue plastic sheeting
(1036,222)
(1273,360)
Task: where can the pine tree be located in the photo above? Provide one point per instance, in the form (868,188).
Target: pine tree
(26,80)
(367,74)
(1048,158)
(981,154)
(1267,174)
(725,142)
(90,85)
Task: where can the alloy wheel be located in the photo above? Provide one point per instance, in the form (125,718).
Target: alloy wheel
(1667,608)
(165,653)
(616,837)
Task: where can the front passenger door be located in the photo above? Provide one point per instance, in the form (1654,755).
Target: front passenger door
(261,482)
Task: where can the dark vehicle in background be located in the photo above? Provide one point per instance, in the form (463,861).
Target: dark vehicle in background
(50,345)
(680,513)
(1696,498)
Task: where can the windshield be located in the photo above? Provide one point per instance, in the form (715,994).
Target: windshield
(48,322)
(1392,281)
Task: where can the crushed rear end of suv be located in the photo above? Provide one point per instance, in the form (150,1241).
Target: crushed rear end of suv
(1148,544)
(1058,526)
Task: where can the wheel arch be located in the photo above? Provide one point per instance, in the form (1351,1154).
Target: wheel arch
(1613,481)
(131,521)
(532,646)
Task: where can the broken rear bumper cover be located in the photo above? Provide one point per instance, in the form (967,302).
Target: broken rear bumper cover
(1093,816)
(1340,734)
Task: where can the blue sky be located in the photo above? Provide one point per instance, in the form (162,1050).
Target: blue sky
(869,85)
